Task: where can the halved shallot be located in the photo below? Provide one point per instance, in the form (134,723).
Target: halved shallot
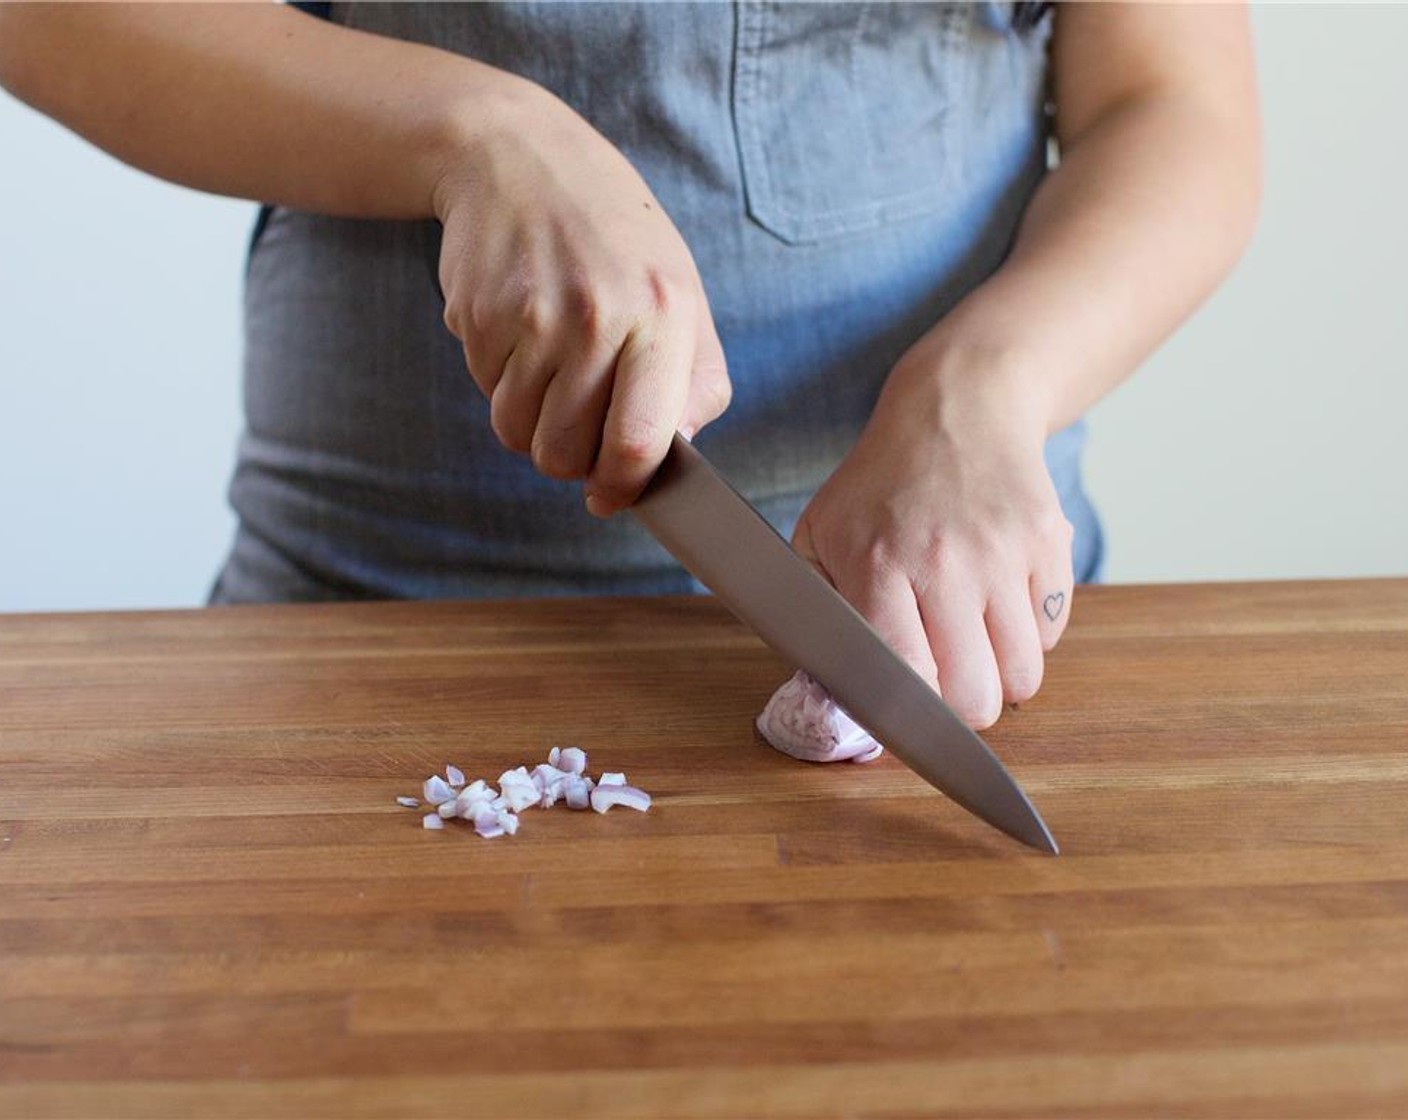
(802,720)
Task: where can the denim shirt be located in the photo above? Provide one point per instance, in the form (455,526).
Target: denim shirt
(842,173)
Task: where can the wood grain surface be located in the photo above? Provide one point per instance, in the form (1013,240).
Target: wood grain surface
(210,904)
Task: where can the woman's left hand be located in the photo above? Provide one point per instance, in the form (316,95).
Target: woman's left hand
(943,528)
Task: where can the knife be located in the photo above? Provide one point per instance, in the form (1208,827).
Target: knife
(733,551)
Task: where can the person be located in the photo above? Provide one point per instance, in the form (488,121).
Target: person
(879,259)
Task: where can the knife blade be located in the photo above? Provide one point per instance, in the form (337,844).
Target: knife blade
(733,551)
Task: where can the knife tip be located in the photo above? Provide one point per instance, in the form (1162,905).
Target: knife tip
(1024,823)
(1038,836)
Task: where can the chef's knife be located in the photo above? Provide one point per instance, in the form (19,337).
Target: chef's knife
(732,550)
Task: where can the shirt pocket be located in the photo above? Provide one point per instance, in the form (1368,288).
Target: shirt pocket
(848,116)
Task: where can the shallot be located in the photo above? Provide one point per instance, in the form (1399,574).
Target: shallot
(431,820)
(550,783)
(436,790)
(454,775)
(518,789)
(802,720)
(408,802)
(573,760)
(579,793)
(605,796)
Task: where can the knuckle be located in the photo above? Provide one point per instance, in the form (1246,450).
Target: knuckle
(557,456)
(508,425)
(479,316)
(943,567)
(718,392)
(662,291)
(1052,527)
(587,309)
(510,435)
(530,310)
(636,446)
(457,318)
(872,554)
(626,460)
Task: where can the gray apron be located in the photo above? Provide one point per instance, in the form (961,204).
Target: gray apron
(843,173)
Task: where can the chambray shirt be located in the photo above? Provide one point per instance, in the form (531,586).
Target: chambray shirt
(842,173)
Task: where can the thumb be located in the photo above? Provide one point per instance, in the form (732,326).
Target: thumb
(803,546)
(710,390)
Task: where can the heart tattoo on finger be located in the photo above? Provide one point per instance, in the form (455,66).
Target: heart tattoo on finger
(1053,604)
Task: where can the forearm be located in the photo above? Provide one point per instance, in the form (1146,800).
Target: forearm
(1154,200)
(256,101)
(1121,243)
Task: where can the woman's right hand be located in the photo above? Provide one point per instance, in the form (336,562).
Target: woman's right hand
(583,318)
(581,312)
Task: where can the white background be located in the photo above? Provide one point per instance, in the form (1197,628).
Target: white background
(1264,441)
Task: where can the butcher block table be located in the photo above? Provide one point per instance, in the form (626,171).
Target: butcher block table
(211,904)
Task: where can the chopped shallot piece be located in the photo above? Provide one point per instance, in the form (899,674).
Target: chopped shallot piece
(551,794)
(408,802)
(612,778)
(518,789)
(481,812)
(431,820)
(477,791)
(448,809)
(573,760)
(554,756)
(437,791)
(802,720)
(605,796)
(454,775)
(508,822)
(549,780)
(579,793)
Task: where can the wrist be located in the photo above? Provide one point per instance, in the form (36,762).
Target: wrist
(968,387)
(492,108)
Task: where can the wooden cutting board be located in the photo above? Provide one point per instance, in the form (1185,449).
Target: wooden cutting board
(211,905)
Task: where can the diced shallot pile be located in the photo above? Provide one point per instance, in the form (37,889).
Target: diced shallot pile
(494,812)
(804,721)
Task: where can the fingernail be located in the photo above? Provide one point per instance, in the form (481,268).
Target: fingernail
(597,507)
